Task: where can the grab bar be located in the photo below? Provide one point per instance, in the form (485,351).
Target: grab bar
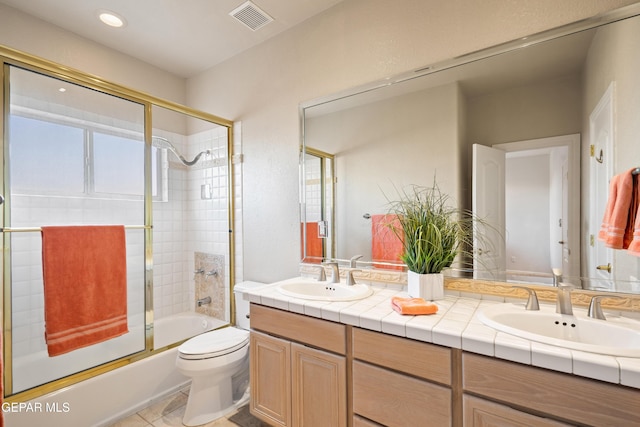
(35,229)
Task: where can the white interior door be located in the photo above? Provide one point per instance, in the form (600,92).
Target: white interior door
(488,204)
(601,261)
(564,220)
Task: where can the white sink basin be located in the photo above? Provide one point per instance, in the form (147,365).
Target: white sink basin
(615,336)
(323,291)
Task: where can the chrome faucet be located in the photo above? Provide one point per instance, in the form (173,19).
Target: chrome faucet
(563,301)
(595,309)
(335,271)
(203,301)
(557,276)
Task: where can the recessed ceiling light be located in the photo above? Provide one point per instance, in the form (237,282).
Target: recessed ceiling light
(111,19)
(62,89)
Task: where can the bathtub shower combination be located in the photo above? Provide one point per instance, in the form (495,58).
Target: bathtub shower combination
(94,156)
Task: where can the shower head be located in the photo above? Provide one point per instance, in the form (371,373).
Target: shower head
(160,142)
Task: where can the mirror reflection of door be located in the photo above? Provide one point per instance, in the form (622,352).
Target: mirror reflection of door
(317,217)
(488,205)
(542,183)
(600,262)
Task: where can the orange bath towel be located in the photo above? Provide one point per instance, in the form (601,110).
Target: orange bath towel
(620,213)
(85,285)
(413,306)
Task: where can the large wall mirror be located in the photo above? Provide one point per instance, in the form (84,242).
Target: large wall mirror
(562,111)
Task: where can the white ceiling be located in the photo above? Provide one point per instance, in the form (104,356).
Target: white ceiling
(184,37)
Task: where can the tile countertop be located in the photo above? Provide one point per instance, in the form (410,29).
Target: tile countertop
(455,325)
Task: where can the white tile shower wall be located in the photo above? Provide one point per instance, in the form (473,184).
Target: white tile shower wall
(313,192)
(26,260)
(171,275)
(208,219)
(186,223)
(237,175)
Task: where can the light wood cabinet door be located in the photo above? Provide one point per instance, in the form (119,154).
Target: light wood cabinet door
(270,363)
(319,388)
(483,413)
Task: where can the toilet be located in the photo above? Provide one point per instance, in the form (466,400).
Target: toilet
(218,364)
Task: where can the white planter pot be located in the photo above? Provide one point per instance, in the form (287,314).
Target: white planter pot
(427,286)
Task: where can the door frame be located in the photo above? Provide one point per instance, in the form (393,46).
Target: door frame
(572,142)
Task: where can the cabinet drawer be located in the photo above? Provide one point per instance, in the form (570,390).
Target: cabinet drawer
(560,395)
(417,358)
(482,413)
(296,327)
(394,399)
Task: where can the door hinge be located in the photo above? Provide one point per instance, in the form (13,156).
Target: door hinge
(592,150)
(592,240)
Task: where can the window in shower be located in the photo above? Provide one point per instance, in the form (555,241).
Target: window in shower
(74,157)
(81,162)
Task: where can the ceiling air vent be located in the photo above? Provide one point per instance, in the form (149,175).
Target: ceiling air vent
(251,15)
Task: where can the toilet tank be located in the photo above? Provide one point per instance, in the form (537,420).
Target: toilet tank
(242,306)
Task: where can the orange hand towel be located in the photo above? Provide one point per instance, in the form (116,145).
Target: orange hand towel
(617,225)
(413,306)
(85,285)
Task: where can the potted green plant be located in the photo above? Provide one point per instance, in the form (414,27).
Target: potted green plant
(433,234)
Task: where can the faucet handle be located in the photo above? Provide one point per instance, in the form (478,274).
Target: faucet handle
(322,277)
(352,261)
(595,308)
(350,279)
(532,301)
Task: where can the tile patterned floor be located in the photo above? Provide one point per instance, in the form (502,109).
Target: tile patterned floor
(168,413)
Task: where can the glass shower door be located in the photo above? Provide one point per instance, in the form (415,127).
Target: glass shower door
(72,156)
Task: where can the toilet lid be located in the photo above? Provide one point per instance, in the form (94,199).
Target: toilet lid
(214,343)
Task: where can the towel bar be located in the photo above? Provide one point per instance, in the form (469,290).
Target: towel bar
(33,229)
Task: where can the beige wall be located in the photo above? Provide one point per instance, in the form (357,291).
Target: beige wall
(355,42)
(540,110)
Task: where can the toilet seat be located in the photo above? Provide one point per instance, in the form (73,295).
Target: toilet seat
(214,344)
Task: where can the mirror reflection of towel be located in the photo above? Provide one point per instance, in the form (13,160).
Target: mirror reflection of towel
(634,246)
(85,285)
(617,230)
(386,246)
